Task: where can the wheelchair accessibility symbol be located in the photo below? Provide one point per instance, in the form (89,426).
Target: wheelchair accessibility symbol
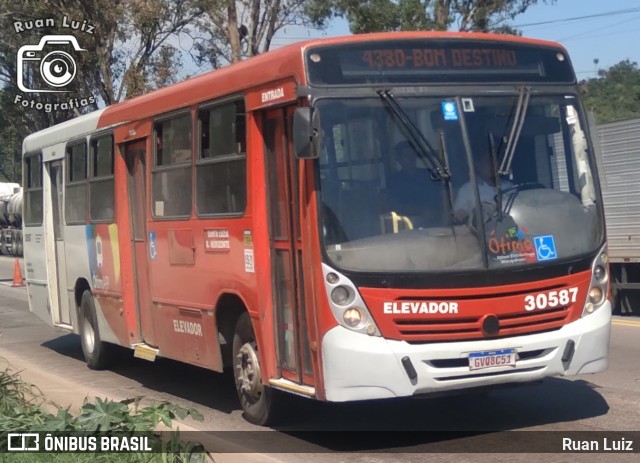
(545,247)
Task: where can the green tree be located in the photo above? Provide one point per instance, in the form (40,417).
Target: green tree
(615,94)
(232,30)
(11,133)
(395,15)
(134,48)
(128,53)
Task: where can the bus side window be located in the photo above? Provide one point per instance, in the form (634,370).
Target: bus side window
(33,189)
(101,184)
(171,174)
(76,184)
(221,162)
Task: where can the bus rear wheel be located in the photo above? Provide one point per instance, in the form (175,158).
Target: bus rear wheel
(96,352)
(257,400)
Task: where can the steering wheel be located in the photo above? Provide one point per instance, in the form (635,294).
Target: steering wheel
(524,186)
(489,210)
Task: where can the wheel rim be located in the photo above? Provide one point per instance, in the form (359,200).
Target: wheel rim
(247,370)
(89,336)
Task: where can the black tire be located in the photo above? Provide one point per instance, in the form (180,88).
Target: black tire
(258,401)
(97,353)
(14,244)
(20,244)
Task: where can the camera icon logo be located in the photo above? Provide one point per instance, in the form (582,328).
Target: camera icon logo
(46,68)
(23,442)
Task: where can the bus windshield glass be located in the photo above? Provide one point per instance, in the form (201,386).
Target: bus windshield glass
(520,191)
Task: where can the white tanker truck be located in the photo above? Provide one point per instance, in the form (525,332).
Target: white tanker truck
(10,219)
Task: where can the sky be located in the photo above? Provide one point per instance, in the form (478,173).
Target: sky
(610,35)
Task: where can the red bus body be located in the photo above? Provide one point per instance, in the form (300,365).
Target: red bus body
(176,286)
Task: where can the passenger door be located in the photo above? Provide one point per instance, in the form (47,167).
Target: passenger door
(290,317)
(61,315)
(135,160)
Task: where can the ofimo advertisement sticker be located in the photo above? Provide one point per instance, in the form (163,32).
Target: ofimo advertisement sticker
(49,66)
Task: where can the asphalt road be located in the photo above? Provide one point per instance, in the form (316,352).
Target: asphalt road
(388,431)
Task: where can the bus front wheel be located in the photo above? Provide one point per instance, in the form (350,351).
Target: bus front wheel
(257,400)
(96,352)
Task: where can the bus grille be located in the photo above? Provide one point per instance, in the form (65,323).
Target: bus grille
(463,329)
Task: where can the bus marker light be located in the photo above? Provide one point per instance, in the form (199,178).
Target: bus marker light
(332,278)
(371,329)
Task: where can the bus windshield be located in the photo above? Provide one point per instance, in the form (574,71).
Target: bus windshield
(520,189)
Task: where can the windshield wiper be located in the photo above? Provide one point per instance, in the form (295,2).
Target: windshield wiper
(498,180)
(516,128)
(444,158)
(416,138)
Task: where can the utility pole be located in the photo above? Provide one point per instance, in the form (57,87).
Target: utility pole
(595,66)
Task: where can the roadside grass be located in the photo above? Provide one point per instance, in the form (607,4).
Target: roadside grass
(23,408)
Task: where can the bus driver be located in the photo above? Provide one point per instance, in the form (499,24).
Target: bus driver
(486,176)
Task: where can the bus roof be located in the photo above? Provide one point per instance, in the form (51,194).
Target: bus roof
(286,62)
(74,128)
(425,34)
(281,63)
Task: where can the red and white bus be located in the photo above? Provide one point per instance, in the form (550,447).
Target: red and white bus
(354,218)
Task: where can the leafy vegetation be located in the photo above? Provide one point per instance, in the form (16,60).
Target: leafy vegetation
(615,94)
(396,15)
(133,47)
(24,409)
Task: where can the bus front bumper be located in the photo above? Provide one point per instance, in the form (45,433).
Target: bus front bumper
(361,367)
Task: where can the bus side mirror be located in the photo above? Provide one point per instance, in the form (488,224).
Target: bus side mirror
(306,133)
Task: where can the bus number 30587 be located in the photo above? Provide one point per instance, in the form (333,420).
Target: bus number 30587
(550,299)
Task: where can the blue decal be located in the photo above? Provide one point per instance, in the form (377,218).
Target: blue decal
(91,249)
(153,251)
(449,111)
(545,247)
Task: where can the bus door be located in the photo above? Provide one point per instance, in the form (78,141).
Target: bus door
(290,317)
(60,304)
(135,159)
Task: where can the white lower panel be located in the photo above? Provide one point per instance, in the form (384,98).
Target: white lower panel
(359,367)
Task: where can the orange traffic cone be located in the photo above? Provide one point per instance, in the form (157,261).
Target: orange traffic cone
(17,275)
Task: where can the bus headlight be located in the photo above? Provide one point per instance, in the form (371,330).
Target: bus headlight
(352,317)
(346,304)
(599,273)
(599,287)
(340,295)
(595,295)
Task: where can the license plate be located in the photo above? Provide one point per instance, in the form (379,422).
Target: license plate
(496,358)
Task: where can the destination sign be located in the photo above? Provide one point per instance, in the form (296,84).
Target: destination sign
(439,58)
(437,61)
